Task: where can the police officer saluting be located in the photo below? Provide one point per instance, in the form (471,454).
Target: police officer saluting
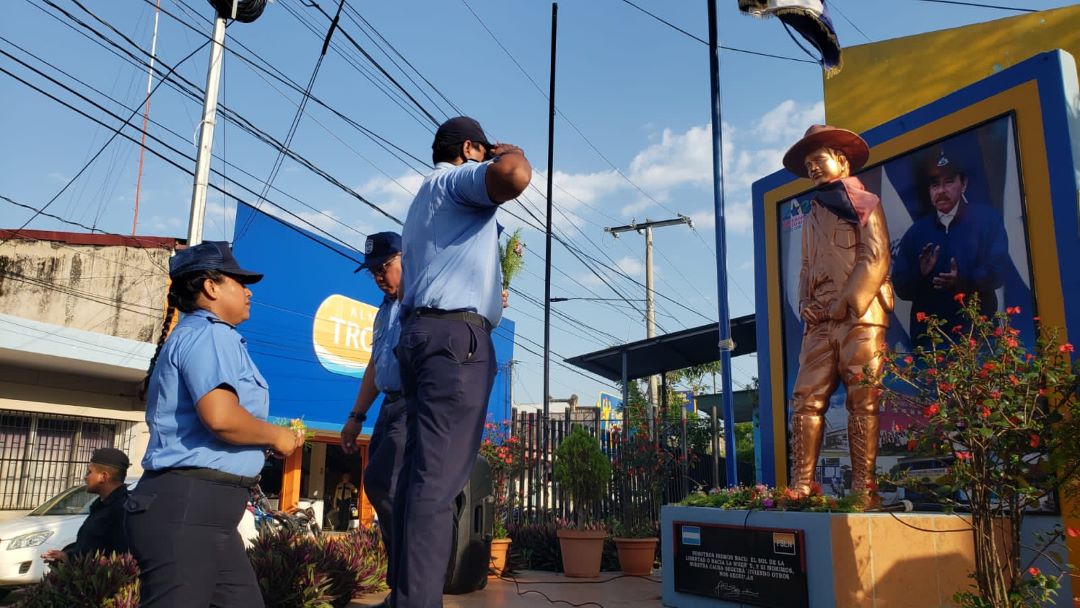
(206,408)
(103,529)
(453,299)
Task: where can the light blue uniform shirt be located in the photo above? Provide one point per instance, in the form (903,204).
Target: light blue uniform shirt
(450,244)
(202,353)
(385,336)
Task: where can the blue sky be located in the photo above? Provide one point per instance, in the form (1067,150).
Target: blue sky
(632,142)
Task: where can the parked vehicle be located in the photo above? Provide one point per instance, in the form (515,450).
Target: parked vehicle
(54,525)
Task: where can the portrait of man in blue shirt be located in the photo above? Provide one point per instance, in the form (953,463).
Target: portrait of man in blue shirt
(957,247)
(452,300)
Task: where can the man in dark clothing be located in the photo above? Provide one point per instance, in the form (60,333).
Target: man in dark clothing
(956,248)
(103,529)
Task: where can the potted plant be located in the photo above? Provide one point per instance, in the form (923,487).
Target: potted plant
(641,468)
(1007,419)
(583,472)
(505,455)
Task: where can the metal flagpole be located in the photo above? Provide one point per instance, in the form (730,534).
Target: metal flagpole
(726,344)
(547,245)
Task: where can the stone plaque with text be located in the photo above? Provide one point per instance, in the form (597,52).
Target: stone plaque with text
(756,566)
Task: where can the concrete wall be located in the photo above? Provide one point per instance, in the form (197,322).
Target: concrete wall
(113,290)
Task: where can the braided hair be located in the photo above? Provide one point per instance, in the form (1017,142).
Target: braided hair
(183,295)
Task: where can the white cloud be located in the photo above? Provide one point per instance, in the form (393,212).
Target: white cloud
(678,159)
(787,122)
(737,215)
(392,195)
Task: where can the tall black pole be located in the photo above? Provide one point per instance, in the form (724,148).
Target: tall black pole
(547,236)
(724,320)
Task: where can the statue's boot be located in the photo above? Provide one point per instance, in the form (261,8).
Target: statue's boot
(863,447)
(806,435)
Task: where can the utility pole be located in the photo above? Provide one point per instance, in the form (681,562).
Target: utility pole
(206,133)
(650,311)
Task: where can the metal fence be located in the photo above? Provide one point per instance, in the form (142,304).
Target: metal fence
(539,497)
(44,454)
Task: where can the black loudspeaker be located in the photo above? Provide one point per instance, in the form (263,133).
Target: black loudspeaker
(474,525)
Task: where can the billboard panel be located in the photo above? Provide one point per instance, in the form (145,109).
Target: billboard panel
(311,319)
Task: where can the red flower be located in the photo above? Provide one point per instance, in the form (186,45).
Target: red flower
(985,412)
(1033,571)
(1072,532)
(1066,348)
(1014,380)
(1034,440)
(963,455)
(920,317)
(931,410)
(972,343)
(995,394)
(959,297)
(1013,310)
(911,445)
(945,387)
(908,360)
(957,329)
(1012,343)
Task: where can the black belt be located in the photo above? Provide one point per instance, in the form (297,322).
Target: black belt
(468,316)
(213,475)
(389,396)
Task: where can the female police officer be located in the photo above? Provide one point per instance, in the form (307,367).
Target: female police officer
(206,408)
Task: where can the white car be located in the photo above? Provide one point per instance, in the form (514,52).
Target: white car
(54,525)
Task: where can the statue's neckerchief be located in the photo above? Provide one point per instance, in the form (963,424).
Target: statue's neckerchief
(848,199)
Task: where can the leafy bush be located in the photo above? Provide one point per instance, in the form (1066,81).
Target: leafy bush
(366,558)
(764,498)
(505,454)
(583,471)
(1007,419)
(287,567)
(105,580)
(642,468)
(299,571)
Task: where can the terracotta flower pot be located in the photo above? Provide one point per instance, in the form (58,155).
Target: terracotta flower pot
(636,555)
(582,551)
(499,548)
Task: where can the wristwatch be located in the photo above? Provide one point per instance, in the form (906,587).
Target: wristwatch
(357,416)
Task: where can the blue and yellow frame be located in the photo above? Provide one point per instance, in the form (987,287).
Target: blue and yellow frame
(1043,96)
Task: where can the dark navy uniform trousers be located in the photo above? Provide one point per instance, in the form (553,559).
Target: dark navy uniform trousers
(182,532)
(386,454)
(447,370)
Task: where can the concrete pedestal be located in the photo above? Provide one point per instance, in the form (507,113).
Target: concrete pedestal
(859,560)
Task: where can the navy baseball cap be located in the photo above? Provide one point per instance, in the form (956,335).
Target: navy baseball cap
(943,164)
(457,130)
(211,255)
(378,248)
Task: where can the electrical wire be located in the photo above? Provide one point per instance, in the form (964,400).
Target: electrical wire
(296,119)
(976,4)
(114,135)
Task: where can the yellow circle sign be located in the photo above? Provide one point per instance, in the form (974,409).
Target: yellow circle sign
(342,335)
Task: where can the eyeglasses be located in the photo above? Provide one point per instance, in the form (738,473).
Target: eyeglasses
(382,268)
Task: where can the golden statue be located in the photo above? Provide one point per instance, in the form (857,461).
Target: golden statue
(844,299)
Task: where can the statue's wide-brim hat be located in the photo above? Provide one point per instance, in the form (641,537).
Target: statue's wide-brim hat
(825,136)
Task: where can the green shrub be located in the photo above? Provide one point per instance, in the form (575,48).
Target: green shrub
(583,471)
(90,581)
